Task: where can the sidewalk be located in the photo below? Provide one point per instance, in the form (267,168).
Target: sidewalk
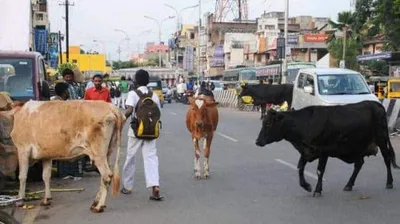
(396,143)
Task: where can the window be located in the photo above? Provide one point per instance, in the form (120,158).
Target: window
(300,81)
(191,35)
(42,72)
(74,61)
(309,81)
(16,77)
(342,84)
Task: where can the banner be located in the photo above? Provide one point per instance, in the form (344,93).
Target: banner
(53,55)
(218,59)
(315,38)
(41,41)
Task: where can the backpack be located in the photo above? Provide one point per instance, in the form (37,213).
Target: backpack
(146,123)
(117,92)
(112,92)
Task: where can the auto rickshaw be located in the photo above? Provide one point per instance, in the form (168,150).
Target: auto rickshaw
(155,85)
(382,84)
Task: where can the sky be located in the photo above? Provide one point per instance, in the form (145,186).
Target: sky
(97,19)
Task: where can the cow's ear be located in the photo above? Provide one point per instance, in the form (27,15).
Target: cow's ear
(212,104)
(191,100)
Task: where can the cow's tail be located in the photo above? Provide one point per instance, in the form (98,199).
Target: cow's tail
(392,155)
(116,177)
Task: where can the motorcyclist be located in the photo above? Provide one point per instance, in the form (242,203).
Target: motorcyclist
(203,90)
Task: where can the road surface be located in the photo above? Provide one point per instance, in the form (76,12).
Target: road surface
(248,184)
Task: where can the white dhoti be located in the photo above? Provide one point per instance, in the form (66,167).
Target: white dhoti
(150,160)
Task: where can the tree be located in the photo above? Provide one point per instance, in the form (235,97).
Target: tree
(387,15)
(353,46)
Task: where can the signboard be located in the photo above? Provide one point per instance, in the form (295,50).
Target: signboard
(379,56)
(53,55)
(268,70)
(293,38)
(41,41)
(218,57)
(53,38)
(281,47)
(188,58)
(315,38)
(262,44)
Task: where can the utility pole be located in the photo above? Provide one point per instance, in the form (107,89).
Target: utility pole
(198,44)
(60,44)
(284,69)
(240,10)
(67,5)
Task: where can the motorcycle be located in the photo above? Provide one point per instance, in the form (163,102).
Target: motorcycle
(186,95)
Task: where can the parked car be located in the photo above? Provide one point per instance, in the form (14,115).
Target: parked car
(329,86)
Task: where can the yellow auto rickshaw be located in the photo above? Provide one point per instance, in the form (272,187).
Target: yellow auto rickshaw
(155,86)
(386,87)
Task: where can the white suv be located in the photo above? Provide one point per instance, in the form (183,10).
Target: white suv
(329,86)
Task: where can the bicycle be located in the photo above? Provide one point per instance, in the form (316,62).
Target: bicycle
(6,201)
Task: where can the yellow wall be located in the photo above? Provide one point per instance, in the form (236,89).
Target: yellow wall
(86,62)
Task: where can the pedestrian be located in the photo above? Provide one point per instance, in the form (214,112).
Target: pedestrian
(62,92)
(136,108)
(124,86)
(89,84)
(98,92)
(117,95)
(68,76)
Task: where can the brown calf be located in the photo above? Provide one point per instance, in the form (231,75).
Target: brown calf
(202,121)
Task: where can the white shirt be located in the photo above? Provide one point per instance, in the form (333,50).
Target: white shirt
(133,99)
(181,87)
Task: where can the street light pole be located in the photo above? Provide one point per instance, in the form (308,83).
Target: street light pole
(127,40)
(198,43)
(284,67)
(159,23)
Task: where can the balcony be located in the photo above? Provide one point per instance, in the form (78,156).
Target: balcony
(41,19)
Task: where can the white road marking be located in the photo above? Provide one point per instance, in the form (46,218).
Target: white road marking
(227,137)
(295,168)
(173,113)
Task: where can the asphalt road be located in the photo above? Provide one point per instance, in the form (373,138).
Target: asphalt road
(248,184)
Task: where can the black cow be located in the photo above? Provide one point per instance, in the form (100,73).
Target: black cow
(348,132)
(263,94)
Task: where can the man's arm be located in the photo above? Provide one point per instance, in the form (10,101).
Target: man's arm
(86,97)
(128,111)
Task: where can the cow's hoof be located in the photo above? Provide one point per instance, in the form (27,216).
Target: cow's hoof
(197,177)
(95,203)
(19,204)
(206,176)
(307,187)
(389,186)
(45,202)
(348,188)
(317,194)
(96,210)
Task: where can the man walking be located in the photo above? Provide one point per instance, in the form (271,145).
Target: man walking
(138,108)
(124,87)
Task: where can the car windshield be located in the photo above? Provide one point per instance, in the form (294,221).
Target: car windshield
(16,77)
(248,75)
(342,84)
(155,85)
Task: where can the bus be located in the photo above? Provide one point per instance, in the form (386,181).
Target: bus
(294,67)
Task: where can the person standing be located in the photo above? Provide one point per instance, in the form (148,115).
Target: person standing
(68,76)
(62,92)
(124,87)
(137,108)
(98,92)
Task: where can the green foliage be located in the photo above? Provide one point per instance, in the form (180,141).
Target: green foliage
(353,46)
(64,66)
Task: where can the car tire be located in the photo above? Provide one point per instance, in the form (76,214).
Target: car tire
(169,101)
